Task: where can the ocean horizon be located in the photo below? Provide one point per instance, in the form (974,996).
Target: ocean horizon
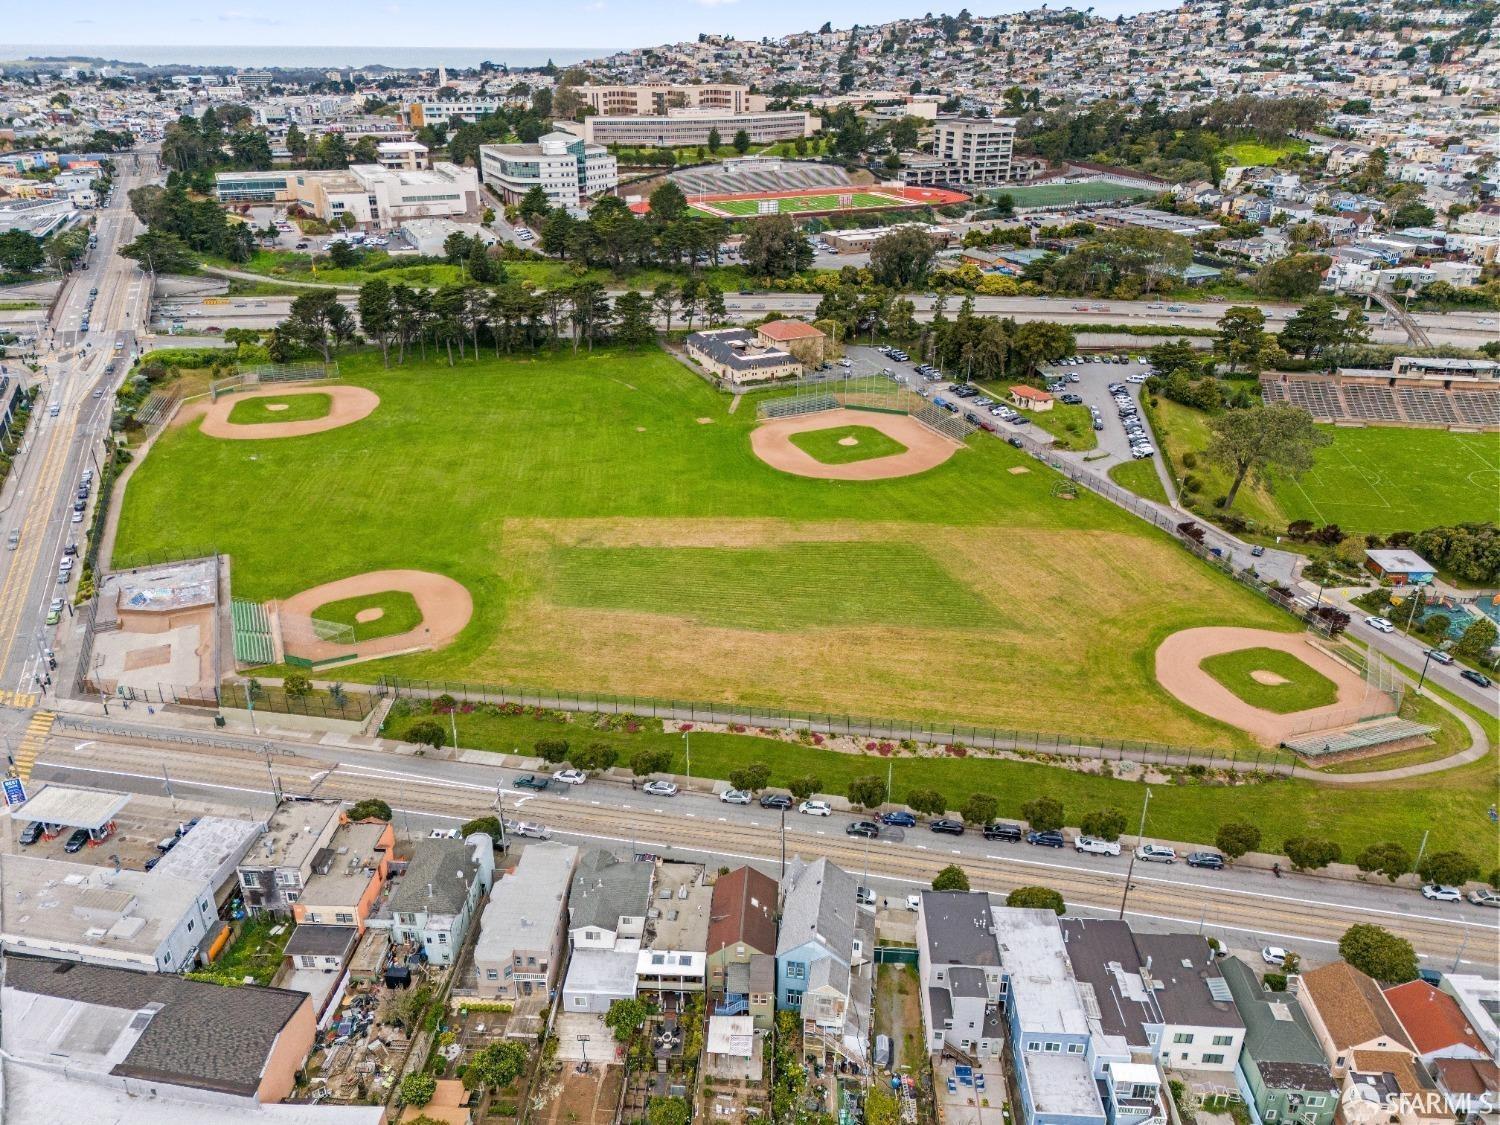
(298,57)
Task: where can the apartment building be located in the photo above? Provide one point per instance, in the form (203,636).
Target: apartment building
(958,964)
(976,150)
(659,97)
(567,169)
(432,111)
(346,878)
(402,156)
(607,907)
(438,896)
(523,931)
(687,128)
(273,873)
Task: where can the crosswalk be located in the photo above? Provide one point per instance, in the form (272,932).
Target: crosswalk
(21,700)
(32,742)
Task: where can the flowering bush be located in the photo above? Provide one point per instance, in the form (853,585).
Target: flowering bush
(956,750)
(684,726)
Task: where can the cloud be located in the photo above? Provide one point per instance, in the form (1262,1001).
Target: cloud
(234,16)
(85,21)
(714,3)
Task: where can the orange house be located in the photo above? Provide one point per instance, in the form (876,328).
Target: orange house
(347,876)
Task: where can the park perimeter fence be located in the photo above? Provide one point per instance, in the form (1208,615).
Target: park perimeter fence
(348,704)
(843,726)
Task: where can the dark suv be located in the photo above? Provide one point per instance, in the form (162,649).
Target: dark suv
(947,827)
(1211,860)
(31,833)
(1003,830)
(1051,839)
(775,801)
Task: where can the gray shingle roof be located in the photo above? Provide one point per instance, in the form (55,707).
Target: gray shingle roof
(205,1035)
(605,889)
(322,941)
(435,864)
(958,928)
(718,345)
(819,906)
(1277,1035)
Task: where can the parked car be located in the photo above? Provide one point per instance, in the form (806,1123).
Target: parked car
(1155,853)
(866,828)
(77,840)
(660,788)
(570,777)
(1003,830)
(947,827)
(1476,677)
(735,797)
(864,896)
(532,781)
(815,808)
(1439,893)
(1439,655)
(1380,624)
(1482,897)
(31,833)
(1211,860)
(1274,955)
(899,819)
(527,829)
(1095,846)
(1048,839)
(775,801)
(435,834)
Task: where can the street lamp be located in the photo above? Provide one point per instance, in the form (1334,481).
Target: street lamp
(1422,679)
(687,740)
(1140,837)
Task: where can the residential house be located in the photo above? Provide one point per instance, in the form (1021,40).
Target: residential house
(346,878)
(1479,1000)
(273,873)
(672,961)
(1162,993)
(523,930)
(741,947)
(1372,1056)
(962,989)
(1282,1065)
(155,1035)
(607,906)
(825,961)
(1434,1023)
(315,960)
(434,901)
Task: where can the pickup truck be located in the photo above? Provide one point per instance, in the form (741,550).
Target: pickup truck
(532,781)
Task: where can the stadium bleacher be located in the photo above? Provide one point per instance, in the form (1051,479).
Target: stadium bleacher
(1423,405)
(789,176)
(1371,404)
(1477,408)
(253,642)
(1333,399)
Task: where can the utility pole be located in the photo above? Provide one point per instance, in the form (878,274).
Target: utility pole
(687,740)
(1418,861)
(1140,837)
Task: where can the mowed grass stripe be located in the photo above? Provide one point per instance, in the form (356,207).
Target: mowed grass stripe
(800,585)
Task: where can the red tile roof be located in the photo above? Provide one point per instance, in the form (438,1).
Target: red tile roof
(788,330)
(1031,393)
(1432,1018)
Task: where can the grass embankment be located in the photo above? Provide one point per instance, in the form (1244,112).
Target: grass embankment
(1141,478)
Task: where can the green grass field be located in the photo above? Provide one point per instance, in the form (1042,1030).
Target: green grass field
(613,543)
(797,204)
(1303,687)
(1141,478)
(1384,479)
(1052,195)
(398,614)
(292,408)
(843,445)
(1251,153)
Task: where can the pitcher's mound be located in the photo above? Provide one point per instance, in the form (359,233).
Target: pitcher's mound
(1270,679)
(851,440)
(925,449)
(374,613)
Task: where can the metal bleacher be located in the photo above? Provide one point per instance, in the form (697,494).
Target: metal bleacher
(1422,405)
(796,405)
(253,640)
(1477,408)
(785,177)
(1360,737)
(1371,404)
(1349,400)
(936,418)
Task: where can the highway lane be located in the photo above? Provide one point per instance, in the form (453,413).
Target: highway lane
(77,383)
(1247,907)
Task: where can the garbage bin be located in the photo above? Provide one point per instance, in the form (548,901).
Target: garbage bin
(218,720)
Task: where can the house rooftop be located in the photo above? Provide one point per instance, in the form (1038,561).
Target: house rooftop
(784,330)
(743,911)
(526,902)
(960,928)
(606,889)
(1042,985)
(1432,1018)
(681,905)
(342,870)
(1352,1007)
(437,879)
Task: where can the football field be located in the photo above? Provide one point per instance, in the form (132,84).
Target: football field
(1387,478)
(1054,195)
(798,204)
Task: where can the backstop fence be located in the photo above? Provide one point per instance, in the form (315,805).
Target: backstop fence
(877,393)
(252,375)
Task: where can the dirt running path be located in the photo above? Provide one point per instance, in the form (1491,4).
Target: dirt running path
(925,449)
(445,604)
(346,405)
(1177,670)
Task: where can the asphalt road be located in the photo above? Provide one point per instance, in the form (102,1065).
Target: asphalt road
(38,500)
(1246,908)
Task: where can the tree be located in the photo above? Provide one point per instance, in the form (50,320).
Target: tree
(296,685)
(496,1066)
(418,1089)
(1308,853)
(296,142)
(1292,278)
(1378,953)
(751,778)
(668,1111)
(951,878)
(1044,814)
(775,246)
(928,801)
(1106,824)
(715,311)
(714,141)
(1389,859)
(551,750)
(1413,214)
(534,205)
(371,808)
(646,761)
(1237,837)
(901,258)
(1477,640)
(20,252)
(867,791)
(1036,898)
(668,203)
(881,1106)
(1449,869)
(427,732)
(161,252)
(489,825)
(318,320)
(1248,442)
(626,1017)
(742,142)
(595,756)
(664,302)
(377,314)
(1242,337)
(804,787)
(633,325)
(1320,324)
(980,808)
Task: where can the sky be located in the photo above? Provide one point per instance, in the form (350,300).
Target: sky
(447,23)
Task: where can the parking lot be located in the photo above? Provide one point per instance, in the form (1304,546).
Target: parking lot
(1091,381)
(138,828)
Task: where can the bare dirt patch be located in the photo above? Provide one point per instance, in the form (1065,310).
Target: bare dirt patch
(1177,670)
(446,608)
(347,405)
(153,657)
(374,613)
(705,421)
(1271,679)
(277,406)
(850,440)
(925,449)
(1017,470)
